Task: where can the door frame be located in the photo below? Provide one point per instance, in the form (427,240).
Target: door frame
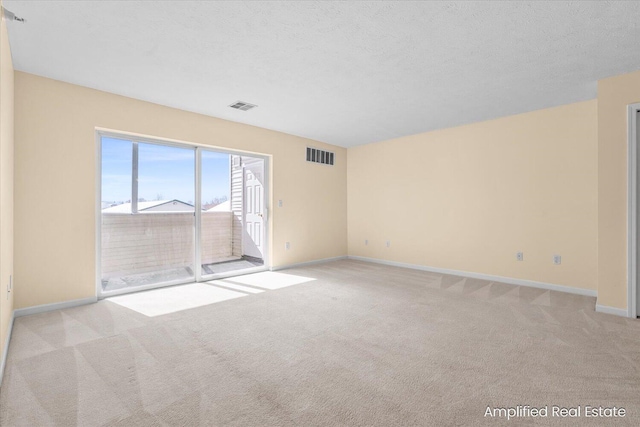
(632,210)
(135,138)
(244,207)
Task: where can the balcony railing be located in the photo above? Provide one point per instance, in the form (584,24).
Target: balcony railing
(148,242)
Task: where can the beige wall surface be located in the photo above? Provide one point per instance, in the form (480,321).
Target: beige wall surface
(614,95)
(6,183)
(55,177)
(468,198)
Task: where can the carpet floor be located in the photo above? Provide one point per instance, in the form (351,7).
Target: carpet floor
(357,345)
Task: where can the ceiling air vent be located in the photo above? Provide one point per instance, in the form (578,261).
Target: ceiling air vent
(242,106)
(320,156)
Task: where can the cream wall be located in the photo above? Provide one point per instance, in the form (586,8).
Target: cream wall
(55,177)
(6,185)
(614,95)
(468,198)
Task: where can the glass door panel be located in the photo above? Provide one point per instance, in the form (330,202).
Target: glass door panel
(217,218)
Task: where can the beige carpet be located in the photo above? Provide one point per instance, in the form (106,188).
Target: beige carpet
(363,344)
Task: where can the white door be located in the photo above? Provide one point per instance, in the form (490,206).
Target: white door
(253,233)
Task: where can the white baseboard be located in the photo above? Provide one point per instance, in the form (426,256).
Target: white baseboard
(5,348)
(612,310)
(54,306)
(510,280)
(303,264)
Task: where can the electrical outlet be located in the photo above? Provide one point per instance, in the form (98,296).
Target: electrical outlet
(287,245)
(366,242)
(520,256)
(557,259)
(388,243)
(280,203)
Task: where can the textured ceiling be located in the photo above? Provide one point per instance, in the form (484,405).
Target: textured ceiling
(345,73)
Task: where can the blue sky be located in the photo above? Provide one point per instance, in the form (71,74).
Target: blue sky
(164,172)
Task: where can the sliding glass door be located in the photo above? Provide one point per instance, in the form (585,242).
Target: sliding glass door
(175,214)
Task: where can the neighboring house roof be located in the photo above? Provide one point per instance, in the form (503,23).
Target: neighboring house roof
(222,207)
(156,205)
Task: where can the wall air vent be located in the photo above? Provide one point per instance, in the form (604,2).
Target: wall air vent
(242,106)
(320,156)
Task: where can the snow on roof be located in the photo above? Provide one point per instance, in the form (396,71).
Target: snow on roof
(126,207)
(222,207)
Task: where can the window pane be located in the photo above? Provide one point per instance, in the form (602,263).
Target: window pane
(166,177)
(217,220)
(215,181)
(116,172)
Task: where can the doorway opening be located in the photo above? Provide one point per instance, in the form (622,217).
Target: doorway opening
(238,244)
(176,213)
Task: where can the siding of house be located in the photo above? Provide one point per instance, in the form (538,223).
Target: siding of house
(236,203)
(171,206)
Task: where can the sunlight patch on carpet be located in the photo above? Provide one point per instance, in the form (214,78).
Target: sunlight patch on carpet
(175,298)
(270,280)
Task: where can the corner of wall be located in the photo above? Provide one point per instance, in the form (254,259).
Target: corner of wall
(615,94)
(6,192)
